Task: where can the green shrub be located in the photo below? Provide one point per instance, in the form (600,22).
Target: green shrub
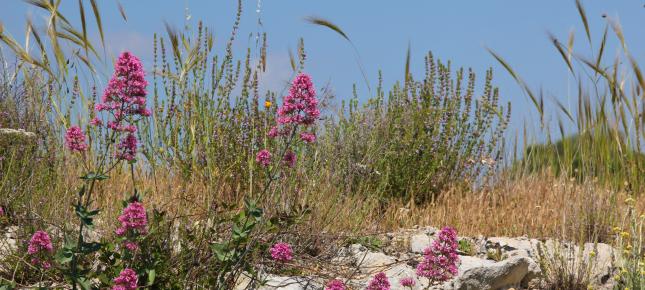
(423,137)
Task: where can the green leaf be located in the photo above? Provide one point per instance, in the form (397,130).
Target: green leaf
(151,276)
(94,176)
(64,255)
(89,248)
(84,283)
(86,217)
(221,251)
(81,192)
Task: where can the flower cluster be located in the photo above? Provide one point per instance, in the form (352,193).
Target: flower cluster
(281,252)
(335,285)
(134,222)
(440,260)
(301,105)
(127,148)
(125,100)
(127,280)
(299,109)
(308,137)
(75,139)
(125,94)
(408,282)
(379,282)
(263,157)
(289,158)
(40,247)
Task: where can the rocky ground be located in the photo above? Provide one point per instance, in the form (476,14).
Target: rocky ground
(485,263)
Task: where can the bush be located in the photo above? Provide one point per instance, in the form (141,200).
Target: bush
(425,136)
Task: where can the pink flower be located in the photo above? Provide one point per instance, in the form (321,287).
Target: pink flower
(335,285)
(379,282)
(301,105)
(408,282)
(39,242)
(127,148)
(290,158)
(125,100)
(40,247)
(127,280)
(96,122)
(133,219)
(273,132)
(308,137)
(145,112)
(75,139)
(281,252)
(440,260)
(131,246)
(263,157)
(126,90)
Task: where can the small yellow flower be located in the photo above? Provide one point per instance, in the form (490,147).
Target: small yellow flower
(629,200)
(267,104)
(624,234)
(617,229)
(592,254)
(628,247)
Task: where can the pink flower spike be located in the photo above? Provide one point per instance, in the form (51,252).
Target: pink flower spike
(335,285)
(300,106)
(379,282)
(96,122)
(273,132)
(75,139)
(408,282)
(127,280)
(131,246)
(40,248)
(290,159)
(263,157)
(39,242)
(308,137)
(440,260)
(133,220)
(281,252)
(127,148)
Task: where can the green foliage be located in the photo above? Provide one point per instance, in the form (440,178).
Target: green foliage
(424,137)
(606,142)
(599,154)
(564,267)
(371,242)
(467,247)
(631,258)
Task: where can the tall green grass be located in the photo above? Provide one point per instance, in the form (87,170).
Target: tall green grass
(601,138)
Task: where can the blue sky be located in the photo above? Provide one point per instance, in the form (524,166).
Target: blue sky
(381,30)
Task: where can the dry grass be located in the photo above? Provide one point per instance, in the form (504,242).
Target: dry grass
(537,206)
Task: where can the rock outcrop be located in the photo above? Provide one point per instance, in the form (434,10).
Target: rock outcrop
(488,263)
